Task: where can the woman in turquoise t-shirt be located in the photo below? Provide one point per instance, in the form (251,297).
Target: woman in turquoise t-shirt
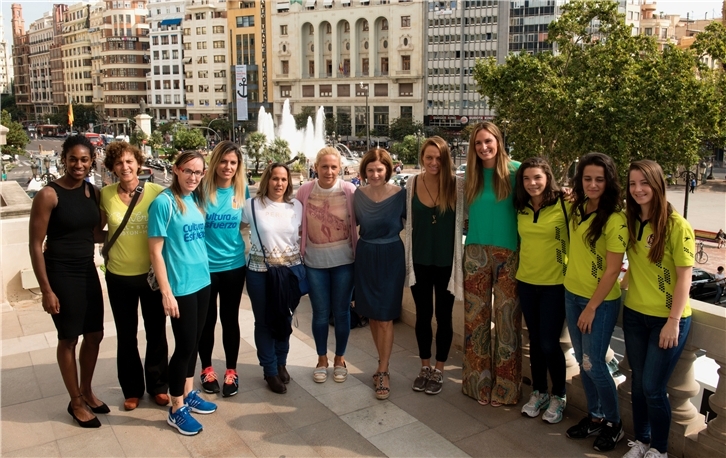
(491,374)
(179,258)
(224,191)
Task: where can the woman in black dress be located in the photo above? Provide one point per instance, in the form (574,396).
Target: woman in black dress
(66,211)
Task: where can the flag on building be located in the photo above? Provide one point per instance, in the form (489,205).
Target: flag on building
(70,114)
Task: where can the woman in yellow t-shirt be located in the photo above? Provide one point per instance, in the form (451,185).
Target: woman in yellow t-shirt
(598,238)
(126,271)
(542,227)
(657,315)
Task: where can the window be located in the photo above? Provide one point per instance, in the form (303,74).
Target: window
(364,66)
(177,99)
(165,55)
(203,88)
(156,56)
(202,73)
(165,39)
(308,90)
(157,99)
(175,69)
(405,89)
(384,24)
(328,68)
(201,30)
(407,112)
(187,46)
(380,120)
(219,58)
(380,90)
(326,90)
(384,66)
(221,74)
(157,84)
(405,21)
(167,98)
(365,25)
(167,84)
(202,60)
(285,91)
(199,16)
(245,21)
(187,31)
(218,29)
(344,90)
(346,26)
(328,28)
(406,63)
(219,44)
(283,29)
(311,67)
(285,67)
(155,41)
(312,30)
(175,54)
(166,70)
(201,45)
(189,88)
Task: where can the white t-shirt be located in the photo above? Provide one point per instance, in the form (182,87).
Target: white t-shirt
(329,242)
(279,227)
(720,278)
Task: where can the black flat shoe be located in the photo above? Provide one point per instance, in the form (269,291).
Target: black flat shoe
(103,408)
(276,384)
(283,374)
(93,423)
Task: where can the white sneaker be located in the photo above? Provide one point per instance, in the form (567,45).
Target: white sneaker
(553,414)
(537,402)
(654,453)
(637,449)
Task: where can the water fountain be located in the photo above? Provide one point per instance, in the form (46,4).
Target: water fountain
(307,141)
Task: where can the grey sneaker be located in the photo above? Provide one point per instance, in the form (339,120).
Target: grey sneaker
(435,383)
(553,414)
(637,449)
(420,383)
(537,402)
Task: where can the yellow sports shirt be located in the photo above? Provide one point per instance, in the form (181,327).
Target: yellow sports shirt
(651,286)
(586,263)
(130,254)
(543,245)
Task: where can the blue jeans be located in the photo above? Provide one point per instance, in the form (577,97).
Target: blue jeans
(331,289)
(590,349)
(543,307)
(270,351)
(652,366)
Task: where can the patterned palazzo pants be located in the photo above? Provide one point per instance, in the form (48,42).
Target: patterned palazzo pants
(490,271)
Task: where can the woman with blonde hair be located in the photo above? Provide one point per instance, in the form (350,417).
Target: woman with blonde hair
(329,237)
(225,190)
(657,313)
(275,218)
(179,258)
(492,374)
(434,231)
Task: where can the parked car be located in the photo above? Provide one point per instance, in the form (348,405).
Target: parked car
(461,170)
(703,286)
(400,179)
(146,175)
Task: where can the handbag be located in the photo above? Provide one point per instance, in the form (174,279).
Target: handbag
(151,276)
(109,243)
(302,277)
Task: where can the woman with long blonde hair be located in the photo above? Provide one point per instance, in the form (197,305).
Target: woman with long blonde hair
(492,374)
(434,230)
(225,190)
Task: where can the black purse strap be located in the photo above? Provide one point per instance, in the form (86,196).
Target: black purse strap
(564,212)
(137,194)
(254,219)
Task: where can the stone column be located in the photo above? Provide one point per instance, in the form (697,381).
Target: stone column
(682,386)
(713,438)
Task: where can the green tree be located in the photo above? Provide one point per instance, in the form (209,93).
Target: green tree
(156,140)
(16,138)
(278,151)
(407,150)
(255,144)
(7,102)
(83,115)
(301,119)
(712,41)
(401,127)
(137,137)
(186,139)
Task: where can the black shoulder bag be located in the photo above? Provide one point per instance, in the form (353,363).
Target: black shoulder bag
(107,246)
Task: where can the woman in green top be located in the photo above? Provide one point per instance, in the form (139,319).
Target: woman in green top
(490,267)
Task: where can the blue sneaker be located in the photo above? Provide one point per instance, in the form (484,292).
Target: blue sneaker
(183,421)
(197,404)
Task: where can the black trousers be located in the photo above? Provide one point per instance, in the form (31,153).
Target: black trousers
(432,280)
(125,293)
(228,286)
(187,331)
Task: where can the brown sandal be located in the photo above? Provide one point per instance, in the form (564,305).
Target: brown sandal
(382,392)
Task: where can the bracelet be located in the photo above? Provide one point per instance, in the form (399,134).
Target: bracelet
(674,318)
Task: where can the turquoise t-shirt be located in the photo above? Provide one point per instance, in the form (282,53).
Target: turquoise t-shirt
(491,221)
(184,252)
(225,245)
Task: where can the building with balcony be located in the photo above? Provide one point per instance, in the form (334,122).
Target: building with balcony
(21,63)
(58,87)
(249,23)
(124,58)
(206,63)
(95,36)
(5,66)
(77,54)
(165,81)
(363,61)
(40,39)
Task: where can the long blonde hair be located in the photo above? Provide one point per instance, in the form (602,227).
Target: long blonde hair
(474,184)
(447,181)
(239,180)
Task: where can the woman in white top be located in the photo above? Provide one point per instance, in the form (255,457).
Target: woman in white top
(277,220)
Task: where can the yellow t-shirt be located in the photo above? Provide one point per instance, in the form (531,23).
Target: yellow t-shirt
(130,254)
(543,245)
(651,286)
(586,263)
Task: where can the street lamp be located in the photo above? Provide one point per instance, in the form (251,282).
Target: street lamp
(418,144)
(368,127)
(688,175)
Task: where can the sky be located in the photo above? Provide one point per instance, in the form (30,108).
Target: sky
(34,9)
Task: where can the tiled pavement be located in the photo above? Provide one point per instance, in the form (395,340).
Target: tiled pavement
(329,419)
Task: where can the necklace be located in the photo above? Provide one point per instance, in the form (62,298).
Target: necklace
(129,193)
(436,201)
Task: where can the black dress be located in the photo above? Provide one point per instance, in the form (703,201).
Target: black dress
(380,266)
(69,261)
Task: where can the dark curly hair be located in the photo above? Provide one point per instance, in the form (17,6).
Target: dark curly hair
(116,149)
(74,141)
(551,192)
(610,201)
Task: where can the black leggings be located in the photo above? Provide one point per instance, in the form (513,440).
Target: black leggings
(228,285)
(187,330)
(430,279)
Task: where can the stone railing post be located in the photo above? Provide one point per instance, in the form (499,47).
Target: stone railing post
(683,386)
(713,438)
